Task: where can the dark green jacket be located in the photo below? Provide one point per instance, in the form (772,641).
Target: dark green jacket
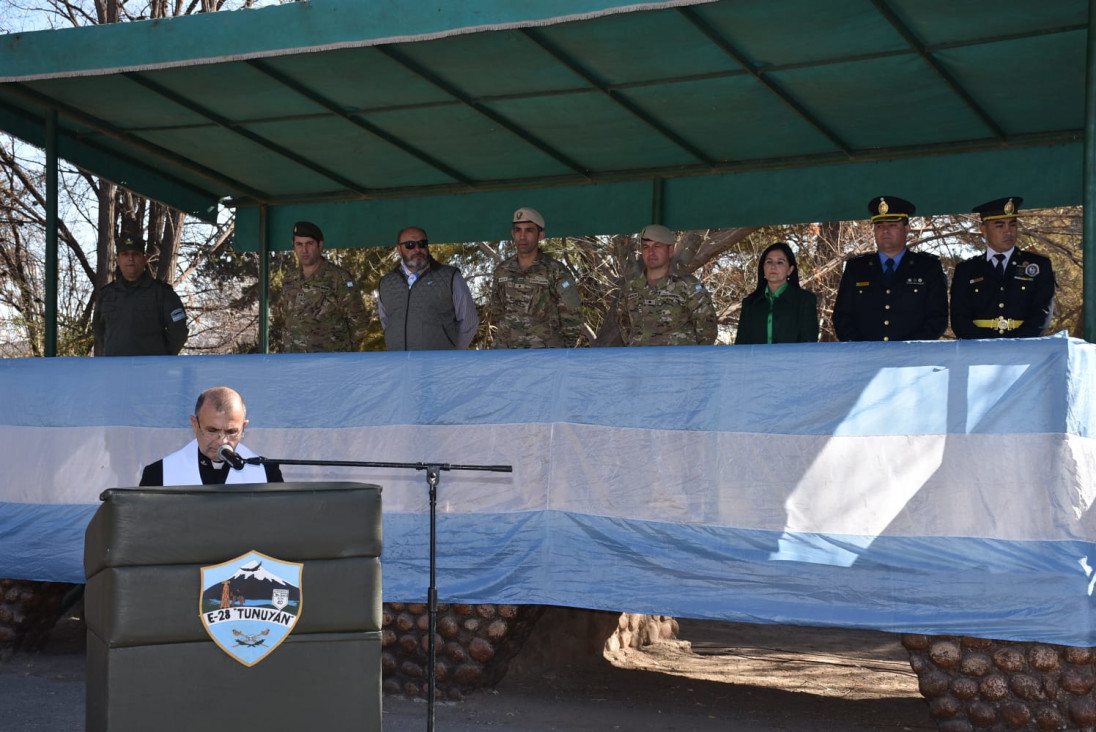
(795,318)
(143,318)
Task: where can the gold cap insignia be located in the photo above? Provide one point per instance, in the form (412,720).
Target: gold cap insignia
(1010,208)
(883,208)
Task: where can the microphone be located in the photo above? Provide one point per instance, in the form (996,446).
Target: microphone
(230,456)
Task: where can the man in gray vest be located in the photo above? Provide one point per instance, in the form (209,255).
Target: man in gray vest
(424,305)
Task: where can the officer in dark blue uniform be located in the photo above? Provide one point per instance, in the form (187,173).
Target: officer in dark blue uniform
(1004,292)
(892,294)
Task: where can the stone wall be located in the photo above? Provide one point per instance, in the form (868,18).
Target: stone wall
(474,645)
(975,684)
(636,631)
(28,611)
(477,645)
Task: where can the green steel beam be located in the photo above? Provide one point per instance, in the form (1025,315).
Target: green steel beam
(765,79)
(614,96)
(658,195)
(1088,309)
(264,280)
(204,38)
(1050,173)
(356,120)
(242,130)
(157,182)
(952,83)
(51,233)
(876,155)
(482,109)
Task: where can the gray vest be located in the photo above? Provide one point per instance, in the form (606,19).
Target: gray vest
(420,318)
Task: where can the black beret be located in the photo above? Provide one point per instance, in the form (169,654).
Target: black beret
(309,229)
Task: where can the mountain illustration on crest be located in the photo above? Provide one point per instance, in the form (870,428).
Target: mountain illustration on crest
(254,582)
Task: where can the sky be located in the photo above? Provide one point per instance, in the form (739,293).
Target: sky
(17,16)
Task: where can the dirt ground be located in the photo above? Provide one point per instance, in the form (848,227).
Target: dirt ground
(717,676)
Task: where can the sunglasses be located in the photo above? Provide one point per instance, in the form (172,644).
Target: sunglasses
(412,245)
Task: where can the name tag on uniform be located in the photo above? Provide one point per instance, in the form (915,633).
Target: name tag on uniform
(976,280)
(862,284)
(663,299)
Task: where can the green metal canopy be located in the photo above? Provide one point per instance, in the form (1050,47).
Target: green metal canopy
(369,116)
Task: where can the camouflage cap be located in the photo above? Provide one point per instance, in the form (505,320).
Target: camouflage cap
(657,232)
(528,214)
(129,243)
(309,229)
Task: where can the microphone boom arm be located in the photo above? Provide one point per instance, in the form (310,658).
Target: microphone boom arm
(260,460)
(433,471)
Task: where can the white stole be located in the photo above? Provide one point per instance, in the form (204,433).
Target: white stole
(181,467)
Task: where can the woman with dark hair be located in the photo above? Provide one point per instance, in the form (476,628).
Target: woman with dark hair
(779,310)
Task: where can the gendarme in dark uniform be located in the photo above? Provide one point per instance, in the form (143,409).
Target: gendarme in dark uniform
(893,294)
(1004,292)
(137,314)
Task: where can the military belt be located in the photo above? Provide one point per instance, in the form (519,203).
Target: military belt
(1001,325)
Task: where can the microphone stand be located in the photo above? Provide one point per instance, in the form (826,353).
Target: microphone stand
(433,477)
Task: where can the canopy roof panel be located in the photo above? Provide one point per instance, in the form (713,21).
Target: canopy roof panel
(565,104)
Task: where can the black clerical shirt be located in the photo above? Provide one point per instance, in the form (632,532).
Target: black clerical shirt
(212,473)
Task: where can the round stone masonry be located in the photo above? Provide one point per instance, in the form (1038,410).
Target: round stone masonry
(978,684)
(473,646)
(477,645)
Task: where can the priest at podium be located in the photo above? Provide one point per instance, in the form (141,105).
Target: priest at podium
(219,419)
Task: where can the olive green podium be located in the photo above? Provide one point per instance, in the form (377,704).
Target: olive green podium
(152,665)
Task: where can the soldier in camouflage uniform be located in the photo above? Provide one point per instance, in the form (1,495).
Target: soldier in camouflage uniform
(320,308)
(663,308)
(534,301)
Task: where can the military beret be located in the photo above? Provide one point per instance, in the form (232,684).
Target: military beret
(309,229)
(528,214)
(999,208)
(129,243)
(890,208)
(656,232)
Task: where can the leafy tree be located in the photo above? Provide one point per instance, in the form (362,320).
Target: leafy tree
(93,212)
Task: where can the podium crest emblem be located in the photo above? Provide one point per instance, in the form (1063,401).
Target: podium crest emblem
(250,604)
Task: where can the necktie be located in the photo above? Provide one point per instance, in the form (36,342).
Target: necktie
(1000,266)
(888,270)
(411,280)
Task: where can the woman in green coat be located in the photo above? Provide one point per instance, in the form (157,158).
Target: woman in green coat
(779,310)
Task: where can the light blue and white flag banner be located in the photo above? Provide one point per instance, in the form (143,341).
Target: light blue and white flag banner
(941,487)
